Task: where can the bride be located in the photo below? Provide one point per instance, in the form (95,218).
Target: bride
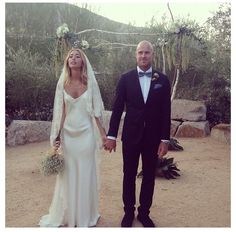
(77,119)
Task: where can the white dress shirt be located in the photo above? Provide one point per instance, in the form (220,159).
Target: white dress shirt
(145,83)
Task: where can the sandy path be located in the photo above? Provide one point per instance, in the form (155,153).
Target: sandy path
(199,198)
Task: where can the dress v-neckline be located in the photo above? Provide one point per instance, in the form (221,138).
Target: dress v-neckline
(76,97)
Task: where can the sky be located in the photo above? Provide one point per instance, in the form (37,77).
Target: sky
(140,12)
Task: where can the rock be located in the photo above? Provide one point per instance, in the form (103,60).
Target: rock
(193,129)
(221,132)
(24,131)
(174,127)
(187,110)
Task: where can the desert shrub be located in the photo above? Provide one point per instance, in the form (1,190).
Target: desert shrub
(31,83)
(107,84)
(213,90)
(30,86)
(218,103)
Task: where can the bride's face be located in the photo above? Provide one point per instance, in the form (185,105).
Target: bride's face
(75,60)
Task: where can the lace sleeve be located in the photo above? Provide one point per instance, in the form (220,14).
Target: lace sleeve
(57,111)
(98,106)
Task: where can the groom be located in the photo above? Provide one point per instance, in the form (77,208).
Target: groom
(145,94)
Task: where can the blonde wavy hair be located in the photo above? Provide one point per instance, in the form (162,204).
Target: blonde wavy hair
(67,69)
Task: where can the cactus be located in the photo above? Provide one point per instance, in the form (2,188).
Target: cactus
(165,167)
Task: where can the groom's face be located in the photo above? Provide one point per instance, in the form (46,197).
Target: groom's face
(144,55)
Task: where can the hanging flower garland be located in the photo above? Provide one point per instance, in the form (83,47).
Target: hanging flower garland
(65,41)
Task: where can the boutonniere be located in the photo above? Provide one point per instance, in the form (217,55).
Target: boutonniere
(155,76)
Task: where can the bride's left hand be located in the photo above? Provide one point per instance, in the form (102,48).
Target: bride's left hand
(104,139)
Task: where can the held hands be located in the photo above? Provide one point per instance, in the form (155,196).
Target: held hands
(163,149)
(109,145)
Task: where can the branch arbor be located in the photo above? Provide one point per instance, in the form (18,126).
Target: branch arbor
(173,50)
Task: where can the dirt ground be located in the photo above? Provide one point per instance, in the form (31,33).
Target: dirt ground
(200,197)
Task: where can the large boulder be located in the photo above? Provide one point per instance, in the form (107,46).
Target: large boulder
(193,129)
(187,110)
(174,127)
(21,131)
(221,132)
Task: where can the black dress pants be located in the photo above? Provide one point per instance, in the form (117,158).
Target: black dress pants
(131,155)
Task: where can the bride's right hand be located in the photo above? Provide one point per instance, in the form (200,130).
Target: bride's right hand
(57,144)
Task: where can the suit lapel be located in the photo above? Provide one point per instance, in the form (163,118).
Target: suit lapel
(136,84)
(153,82)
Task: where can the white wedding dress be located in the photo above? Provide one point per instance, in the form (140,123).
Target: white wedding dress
(75,200)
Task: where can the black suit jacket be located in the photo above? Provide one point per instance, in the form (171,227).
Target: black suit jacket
(150,119)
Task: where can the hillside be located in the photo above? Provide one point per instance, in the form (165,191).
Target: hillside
(42,19)
(32,26)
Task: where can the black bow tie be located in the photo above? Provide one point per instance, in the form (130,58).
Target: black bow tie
(148,74)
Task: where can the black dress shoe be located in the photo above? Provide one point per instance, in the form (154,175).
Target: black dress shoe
(146,221)
(127,220)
